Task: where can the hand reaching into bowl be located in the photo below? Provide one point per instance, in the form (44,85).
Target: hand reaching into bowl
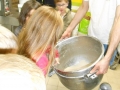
(56,61)
(66,34)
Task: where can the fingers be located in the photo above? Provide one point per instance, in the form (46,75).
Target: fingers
(61,39)
(99,70)
(56,61)
(94,70)
(64,37)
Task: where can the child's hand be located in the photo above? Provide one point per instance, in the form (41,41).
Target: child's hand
(57,61)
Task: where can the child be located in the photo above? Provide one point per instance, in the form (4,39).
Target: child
(8,41)
(28,8)
(61,6)
(19,73)
(40,34)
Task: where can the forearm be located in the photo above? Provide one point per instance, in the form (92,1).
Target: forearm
(79,15)
(115,36)
(115,39)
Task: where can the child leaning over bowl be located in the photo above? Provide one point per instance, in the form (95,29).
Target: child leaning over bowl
(41,32)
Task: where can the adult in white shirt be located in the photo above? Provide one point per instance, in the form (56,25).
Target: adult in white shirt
(103,13)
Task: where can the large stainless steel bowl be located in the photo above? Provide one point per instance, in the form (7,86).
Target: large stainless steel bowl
(78,55)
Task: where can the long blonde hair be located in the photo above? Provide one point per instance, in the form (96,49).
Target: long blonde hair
(43,29)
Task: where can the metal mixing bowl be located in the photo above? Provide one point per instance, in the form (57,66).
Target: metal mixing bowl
(73,53)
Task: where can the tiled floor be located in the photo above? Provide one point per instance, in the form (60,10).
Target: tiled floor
(112,77)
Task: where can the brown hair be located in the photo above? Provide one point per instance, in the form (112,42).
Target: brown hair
(26,8)
(43,29)
(56,1)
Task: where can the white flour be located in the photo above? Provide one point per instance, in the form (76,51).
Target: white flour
(77,67)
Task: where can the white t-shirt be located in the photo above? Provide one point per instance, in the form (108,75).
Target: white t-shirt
(102,18)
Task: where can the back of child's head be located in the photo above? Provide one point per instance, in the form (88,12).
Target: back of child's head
(26,8)
(43,29)
(8,41)
(20,73)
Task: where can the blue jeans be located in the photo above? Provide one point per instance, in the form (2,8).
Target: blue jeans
(113,56)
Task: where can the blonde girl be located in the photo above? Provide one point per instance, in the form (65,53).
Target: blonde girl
(38,39)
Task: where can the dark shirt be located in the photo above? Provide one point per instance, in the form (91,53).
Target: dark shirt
(17,30)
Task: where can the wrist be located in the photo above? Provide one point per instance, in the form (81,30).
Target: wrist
(107,58)
(70,29)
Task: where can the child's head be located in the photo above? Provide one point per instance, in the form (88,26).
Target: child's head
(43,29)
(20,73)
(8,41)
(28,8)
(61,5)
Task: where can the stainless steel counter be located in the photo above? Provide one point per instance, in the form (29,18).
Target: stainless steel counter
(11,21)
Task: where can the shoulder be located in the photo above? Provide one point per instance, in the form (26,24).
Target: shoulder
(68,14)
(42,58)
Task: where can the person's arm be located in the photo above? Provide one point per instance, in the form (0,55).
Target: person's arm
(115,35)
(77,18)
(102,66)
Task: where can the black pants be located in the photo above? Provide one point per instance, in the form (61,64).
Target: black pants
(52,4)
